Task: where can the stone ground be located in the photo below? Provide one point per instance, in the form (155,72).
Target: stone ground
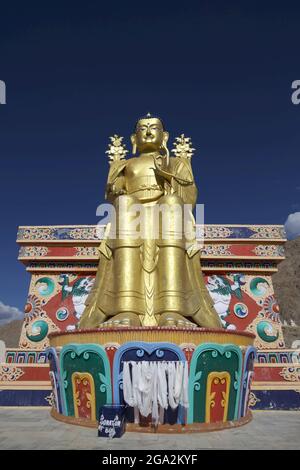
(22,428)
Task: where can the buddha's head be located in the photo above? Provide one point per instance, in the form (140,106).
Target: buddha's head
(149,135)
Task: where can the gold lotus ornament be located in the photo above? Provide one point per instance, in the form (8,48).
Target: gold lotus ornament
(183,147)
(116,150)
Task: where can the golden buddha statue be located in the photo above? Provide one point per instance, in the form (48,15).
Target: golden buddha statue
(152,278)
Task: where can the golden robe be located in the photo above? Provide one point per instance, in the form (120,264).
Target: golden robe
(145,277)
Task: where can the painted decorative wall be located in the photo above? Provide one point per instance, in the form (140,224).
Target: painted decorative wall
(238,262)
(244,302)
(87,376)
(55,303)
(247,303)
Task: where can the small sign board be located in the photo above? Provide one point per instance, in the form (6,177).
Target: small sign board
(111,421)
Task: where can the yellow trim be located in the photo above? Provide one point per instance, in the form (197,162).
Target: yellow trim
(243,225)
(42,242)
(252,241)
(278,364)
(95,242)
(23,364)
(278,350)
(91,397)
(210,403)
(95,257)
(46,407)
(59,269)
(239,269)
(59,258)
(25,382)
(275,386)
(100,225)
(199,225)
(162,428)
(170,335)
(33,269)
(275,411)
(272,258)
(22,350)
(22,386)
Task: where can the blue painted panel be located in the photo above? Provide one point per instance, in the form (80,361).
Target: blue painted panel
(277,400)
(248,366)
(54,368)
(24,397)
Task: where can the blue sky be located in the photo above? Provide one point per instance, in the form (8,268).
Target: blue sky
(78,72)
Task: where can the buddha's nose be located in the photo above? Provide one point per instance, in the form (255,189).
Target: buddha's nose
(148,131)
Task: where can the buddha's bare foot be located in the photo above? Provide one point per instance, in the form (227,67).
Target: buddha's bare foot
(121,320)
(92,317)
(174,319)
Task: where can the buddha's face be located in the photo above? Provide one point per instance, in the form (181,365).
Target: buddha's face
(149,135)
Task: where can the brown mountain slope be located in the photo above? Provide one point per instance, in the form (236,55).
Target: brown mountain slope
(287,290)
(287,283)
(10,333)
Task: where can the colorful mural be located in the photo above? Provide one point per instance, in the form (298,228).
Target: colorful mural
(78,291)
(85,380)
(90,232)
(243,302)
(54,375)
(238,262)
(55,303)
(84,395)
(214,383)
(246,302)
(218,384)
(25,357)
(247,377)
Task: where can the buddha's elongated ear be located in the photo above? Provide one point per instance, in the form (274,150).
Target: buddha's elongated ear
(133,141)
(165,137)
(165,148)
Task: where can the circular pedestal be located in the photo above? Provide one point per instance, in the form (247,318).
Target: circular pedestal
(87,373)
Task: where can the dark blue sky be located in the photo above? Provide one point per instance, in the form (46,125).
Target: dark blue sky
(76,73)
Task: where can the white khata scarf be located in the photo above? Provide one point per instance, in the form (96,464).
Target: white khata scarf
(150,385)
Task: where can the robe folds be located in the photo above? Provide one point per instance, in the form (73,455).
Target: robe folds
(156,271)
